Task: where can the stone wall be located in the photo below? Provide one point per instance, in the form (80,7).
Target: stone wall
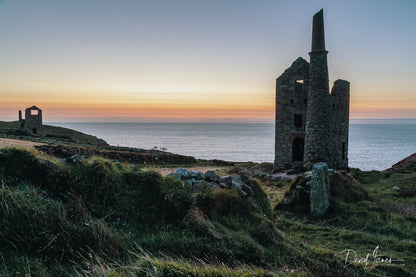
(291,100)
(340,103)
(318,117)
(33,121)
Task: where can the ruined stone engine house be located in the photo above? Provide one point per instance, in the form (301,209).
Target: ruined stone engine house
(32,122)
(311,123)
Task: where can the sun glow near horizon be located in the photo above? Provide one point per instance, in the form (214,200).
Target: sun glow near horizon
(135,60)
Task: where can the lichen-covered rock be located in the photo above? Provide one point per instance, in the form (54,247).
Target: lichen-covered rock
(236,181)
(226,180)
(75,159)
(211,176)
(183,173)
(198,184)
(196,180)
(320,190)
(215,186)
(197,175)
(247,189)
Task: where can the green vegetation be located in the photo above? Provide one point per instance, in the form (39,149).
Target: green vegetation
(56,133)
(356,220)
(380,185)
(97,217)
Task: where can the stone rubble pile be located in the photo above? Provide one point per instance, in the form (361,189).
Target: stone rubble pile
(197,180)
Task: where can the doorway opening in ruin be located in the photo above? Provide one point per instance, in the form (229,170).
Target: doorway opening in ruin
(35,130)
(297,149)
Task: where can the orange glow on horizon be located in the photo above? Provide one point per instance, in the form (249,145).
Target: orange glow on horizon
(187,105)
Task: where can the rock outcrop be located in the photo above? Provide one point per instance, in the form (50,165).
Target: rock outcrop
(314,191)
(404,166)
(197,180)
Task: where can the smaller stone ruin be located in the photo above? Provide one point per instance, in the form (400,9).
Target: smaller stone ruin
(32,123)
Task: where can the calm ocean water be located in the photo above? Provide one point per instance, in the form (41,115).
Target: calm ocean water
(371,146)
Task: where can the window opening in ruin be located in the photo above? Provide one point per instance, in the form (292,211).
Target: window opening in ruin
(298,120)
(297,149)
(299,81)
(35,130)
(305,102)
(333,107)
(291,101)
(34,112)
(343,150)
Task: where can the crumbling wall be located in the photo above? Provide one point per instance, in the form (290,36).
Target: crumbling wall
(340,104)
(291,101)
(32,122)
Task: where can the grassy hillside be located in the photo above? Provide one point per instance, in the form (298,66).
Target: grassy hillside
(60,134)
(98,217)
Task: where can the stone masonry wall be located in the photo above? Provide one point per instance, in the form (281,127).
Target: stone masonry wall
(340,100)
(318,118)
(33,122)
(291,99)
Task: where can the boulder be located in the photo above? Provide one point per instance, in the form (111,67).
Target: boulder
(236,181)
(223,185)
(75,159)
(198,184)
(197,175)
(176,176)
(320,190)
(215,186)
(247,189)
(183,173)
(226,180)
(211,176)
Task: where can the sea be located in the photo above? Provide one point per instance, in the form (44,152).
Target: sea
(373,144)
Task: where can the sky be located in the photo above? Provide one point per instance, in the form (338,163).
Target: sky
(99,60)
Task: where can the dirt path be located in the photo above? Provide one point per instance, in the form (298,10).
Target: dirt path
(20,143)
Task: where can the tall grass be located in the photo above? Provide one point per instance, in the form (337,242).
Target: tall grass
(55,215)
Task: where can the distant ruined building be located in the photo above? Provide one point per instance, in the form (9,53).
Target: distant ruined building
(32,122)
(311,123)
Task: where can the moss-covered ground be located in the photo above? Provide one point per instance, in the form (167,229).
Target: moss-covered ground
(101,217)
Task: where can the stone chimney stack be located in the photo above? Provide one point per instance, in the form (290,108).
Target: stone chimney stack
(318,34)
(318,117)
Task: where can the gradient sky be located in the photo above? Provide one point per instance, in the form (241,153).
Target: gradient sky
(191,59)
